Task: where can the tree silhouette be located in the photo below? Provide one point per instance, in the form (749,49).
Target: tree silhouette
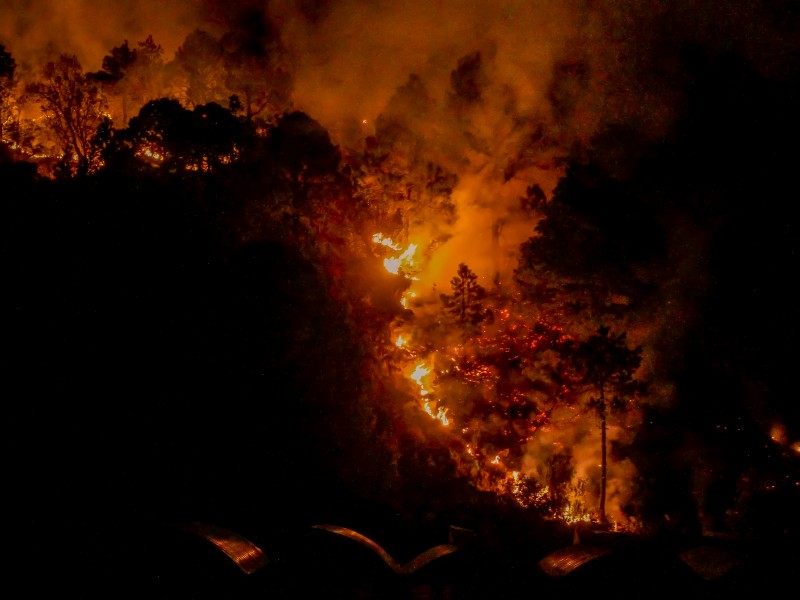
(465,302)
(303,155)
(256,63)
(8,68)
(614,239)
(602,380)
(113,75)
(166,135)
(201,70)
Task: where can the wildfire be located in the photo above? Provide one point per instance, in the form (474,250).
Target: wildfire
(151,153)
(489,446)
(405,297)
(420,372)
(417,374)
(402,262)
(378,238)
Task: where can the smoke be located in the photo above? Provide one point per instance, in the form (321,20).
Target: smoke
(38,30)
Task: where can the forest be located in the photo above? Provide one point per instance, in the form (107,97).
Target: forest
(461,312)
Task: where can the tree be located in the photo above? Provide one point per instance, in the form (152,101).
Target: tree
(167,135)
(134,74)
(303,155)
(115,66)
(614,240)
(147,71)
(256,63)
(200,60)
(401,173)
(8,82)
(74,108)
(465,301)
(602,376)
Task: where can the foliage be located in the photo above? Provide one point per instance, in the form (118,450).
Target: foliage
(603,381)
(201,69)
(74,107)
(133,75)
(594,251)
(408,185)
(257,68)
(165,135)
(8,82)
(464,303)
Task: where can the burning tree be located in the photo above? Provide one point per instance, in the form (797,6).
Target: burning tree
(75,108)
(8,68)
(603,381)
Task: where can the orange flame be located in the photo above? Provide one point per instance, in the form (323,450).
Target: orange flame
(404,260)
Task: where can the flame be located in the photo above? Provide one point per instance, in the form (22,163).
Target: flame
(406,295)
(490,453)
(420,372)
(151,153)
(417,374)
(379,238)
(404,260)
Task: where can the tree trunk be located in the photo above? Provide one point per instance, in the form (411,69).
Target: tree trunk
(603,463)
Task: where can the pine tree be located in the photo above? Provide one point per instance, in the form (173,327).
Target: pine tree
(464,304)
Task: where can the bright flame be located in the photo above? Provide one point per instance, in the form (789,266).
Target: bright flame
(400,341)
(428,405)
(404,260)
(406,296)
(417,374)
(385,241)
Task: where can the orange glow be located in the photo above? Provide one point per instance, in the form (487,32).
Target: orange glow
(405,297)
(778,434)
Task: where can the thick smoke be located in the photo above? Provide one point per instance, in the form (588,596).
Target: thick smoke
(38,30)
